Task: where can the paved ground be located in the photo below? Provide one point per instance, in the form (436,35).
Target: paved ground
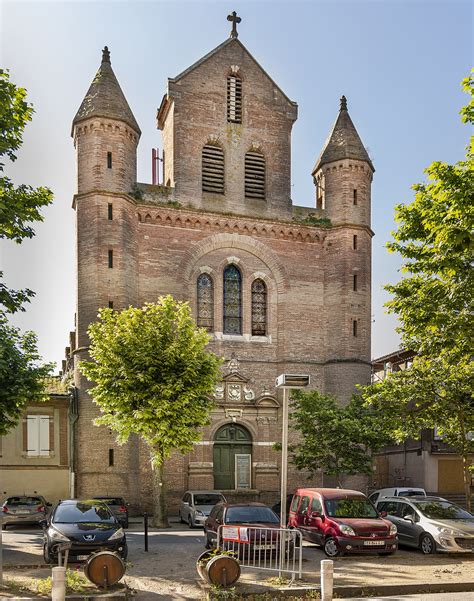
(168,570)
(429,597)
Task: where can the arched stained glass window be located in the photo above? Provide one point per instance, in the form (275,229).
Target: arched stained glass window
(232,300)
(259,308)
(205,302)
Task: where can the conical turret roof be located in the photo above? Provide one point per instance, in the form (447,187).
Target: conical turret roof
(105,97)
(343,142)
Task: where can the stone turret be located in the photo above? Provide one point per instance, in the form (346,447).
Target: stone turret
(105,135)
(343,173)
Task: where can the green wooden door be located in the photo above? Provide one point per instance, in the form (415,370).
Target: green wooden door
(229,441)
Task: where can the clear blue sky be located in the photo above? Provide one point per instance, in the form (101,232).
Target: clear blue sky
(399,63)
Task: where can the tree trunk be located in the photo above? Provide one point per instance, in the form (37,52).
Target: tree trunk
(465,461)
(160,518)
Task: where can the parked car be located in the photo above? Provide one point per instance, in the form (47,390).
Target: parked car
(196,505)
(430,523)
(24,509)
(89,526)
(117,506)
(251,515)
(341,521)
(277,507)
(400,491)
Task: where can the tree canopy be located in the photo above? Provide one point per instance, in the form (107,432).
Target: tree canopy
(152,377)
(334,439)
(434,304)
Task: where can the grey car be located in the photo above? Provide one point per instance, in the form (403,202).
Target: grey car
(196,505)
(430,523)
(24,509)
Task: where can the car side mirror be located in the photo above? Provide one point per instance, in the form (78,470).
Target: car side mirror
(383,514)
(409,518)
(186,503)
(315,514)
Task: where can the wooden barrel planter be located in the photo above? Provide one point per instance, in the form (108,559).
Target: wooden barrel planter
(104,569)
(201,564)
(223,570)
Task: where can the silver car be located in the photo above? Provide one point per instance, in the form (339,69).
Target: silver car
(196,505)
(430,523)
(24,509)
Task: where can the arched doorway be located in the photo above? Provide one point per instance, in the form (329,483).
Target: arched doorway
(232,457)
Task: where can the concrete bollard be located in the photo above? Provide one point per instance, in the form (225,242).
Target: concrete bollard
(327,573)
(58,590)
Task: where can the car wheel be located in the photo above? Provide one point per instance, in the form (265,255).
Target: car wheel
(427,544)
(46,556)
(330,547)
(190,522)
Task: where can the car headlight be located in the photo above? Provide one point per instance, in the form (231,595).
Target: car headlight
(56,535)
(393,529)
(199,512)
(450,532)
(347,530)
(117,534)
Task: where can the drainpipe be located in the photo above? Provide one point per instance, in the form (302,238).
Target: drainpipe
(73,417)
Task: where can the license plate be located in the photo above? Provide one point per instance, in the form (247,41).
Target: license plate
(264,547)
(82,557)
(374,543)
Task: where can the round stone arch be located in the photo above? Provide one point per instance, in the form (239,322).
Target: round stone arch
(237,241)
(232,457)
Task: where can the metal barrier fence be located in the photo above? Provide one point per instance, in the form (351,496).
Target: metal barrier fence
(275,549)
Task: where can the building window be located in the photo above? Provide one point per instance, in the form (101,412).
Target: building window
(354,282)
(110,211)
(205,302)
(109,160)
(354,241)
(259,308)
(320,193)
(38,441)
(254,175)
(232,300)
(213,169)
(111,258)
(354,328)
(234,99)
(111,457)
(354,196)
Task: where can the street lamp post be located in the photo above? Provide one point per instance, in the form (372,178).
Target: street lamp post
(286,382)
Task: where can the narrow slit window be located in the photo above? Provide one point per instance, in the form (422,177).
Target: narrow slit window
(111,457)
(111,259)
(354,282)
(234,99)
(213,169)
(259,308)
(354,196)
(354,242)
(255,175)
(110,213)
(205,302)
(232,300)
(354,328)
(109,160)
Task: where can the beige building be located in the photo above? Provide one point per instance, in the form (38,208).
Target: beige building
(279,287)
(427,462)
(35,456)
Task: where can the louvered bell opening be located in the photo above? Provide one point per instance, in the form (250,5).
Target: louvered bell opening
(254,175)
(234,100)
(213,169)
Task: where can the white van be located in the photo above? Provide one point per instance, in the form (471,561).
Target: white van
(400,491)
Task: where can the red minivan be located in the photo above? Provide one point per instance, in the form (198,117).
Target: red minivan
(341,521)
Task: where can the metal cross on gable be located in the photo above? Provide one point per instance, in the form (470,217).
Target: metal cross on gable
(235,19)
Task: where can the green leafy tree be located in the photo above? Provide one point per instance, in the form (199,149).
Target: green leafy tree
(22,376)
(434,305)
(337,440)
(152,377)
(21,205)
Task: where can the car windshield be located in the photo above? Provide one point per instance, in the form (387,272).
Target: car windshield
(207,499)
(110,501)
(411,493)
(443,510)
(250,515)
(15,501)
(350,508)
(81,513)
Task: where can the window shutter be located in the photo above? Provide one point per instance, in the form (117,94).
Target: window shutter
(213,169)
(234,99)
(44,435)
(33,435)
(254,175)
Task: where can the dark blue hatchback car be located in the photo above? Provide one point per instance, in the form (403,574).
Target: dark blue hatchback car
(88,525)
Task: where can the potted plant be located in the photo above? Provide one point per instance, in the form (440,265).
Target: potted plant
(219,567)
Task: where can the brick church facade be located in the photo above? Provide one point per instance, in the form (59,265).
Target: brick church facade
(280,288)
